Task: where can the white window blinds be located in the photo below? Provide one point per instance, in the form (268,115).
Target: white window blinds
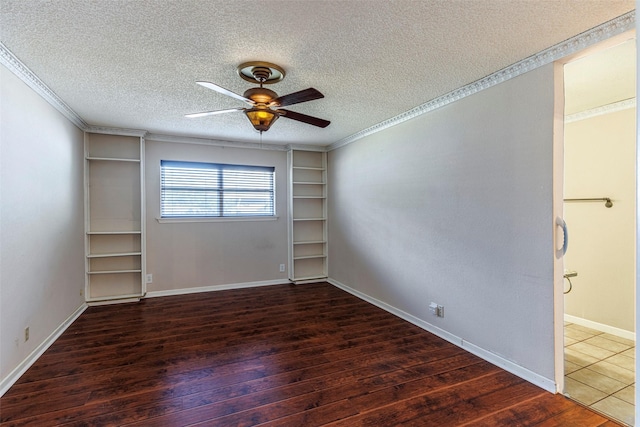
(192,189)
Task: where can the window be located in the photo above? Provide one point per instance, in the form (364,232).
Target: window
(205,190)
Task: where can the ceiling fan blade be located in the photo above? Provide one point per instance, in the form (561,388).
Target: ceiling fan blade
(297,97)
(304,118)
(211,113)
(224,91)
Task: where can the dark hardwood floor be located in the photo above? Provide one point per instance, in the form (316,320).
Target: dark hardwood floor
(284,355)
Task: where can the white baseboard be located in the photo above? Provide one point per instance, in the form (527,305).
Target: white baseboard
(184,291)
(14,375)
(622,333)
(112,301)
(524,373)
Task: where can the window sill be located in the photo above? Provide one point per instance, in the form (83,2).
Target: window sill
(223,219)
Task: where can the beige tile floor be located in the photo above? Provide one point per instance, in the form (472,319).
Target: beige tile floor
(600,371)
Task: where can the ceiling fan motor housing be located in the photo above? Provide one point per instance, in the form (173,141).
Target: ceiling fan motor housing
(260,95)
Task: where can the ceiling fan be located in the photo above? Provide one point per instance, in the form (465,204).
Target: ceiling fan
(265,104)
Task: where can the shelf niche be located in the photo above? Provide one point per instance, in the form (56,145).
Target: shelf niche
(307,216)
(114,241)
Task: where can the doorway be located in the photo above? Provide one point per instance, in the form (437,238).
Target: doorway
(599,208)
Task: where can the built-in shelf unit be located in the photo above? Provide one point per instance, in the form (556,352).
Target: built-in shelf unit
(307,216)
(114,218)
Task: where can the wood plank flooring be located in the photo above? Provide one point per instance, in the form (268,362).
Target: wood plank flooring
(284,355)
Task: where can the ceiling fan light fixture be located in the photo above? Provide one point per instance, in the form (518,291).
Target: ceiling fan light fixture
(261,118)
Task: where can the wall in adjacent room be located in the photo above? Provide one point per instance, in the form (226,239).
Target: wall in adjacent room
(600,161)
(41,222)
(455,207)
(191,255)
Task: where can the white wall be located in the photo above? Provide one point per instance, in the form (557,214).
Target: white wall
(208,254)
(455,207)
(41,221)
(600,161)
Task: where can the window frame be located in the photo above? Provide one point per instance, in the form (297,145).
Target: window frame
(243,185)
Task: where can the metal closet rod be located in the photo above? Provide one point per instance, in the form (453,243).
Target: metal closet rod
(608,203)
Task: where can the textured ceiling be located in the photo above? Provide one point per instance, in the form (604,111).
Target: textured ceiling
(133,64)
(602,78)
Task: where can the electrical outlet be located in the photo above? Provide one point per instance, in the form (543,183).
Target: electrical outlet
(149,278)
(437,310)
(281,268)
(26,334)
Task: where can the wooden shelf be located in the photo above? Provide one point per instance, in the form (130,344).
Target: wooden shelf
(114,271)
(308,278)
(310,242)
(117,254)
(309,256)
(106,233)
(308,168)
(119,298)
(113,159)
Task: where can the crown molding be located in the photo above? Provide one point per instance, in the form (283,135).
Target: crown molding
(13,64)
(116,131)
(301,147)
(214,142)
(602,110)
(575,44)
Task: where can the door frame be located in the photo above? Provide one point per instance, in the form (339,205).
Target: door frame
(558,202)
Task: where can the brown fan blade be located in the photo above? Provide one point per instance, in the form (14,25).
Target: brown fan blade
(224,91)
(304,118)
(297,97)
(211,113)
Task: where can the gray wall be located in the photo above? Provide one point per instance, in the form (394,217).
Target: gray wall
(42,223)
(455,207)
(207,254)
